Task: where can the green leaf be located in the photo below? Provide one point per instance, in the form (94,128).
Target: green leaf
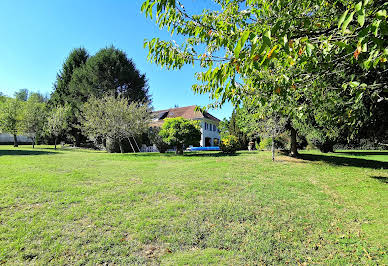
(361,17)
(347,21)
(342,18)
(363,33)
(358,6)
(309,48)
(364,47)
(266,41)
(381,13)
(341,44)
(354,84)
(240,43)
(268,34)
(304,39)
(375,27)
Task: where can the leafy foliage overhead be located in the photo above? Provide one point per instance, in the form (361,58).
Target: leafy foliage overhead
(305,52)
(243,39)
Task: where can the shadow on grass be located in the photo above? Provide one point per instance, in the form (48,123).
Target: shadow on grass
(24,152)
(345,161)
(218,154)
(363,153)
(382,179)
(149,154)
(186,154)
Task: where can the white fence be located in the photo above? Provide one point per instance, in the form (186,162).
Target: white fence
(8,138)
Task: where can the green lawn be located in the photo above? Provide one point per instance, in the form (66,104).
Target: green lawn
(85,207)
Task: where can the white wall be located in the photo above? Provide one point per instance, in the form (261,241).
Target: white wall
(8,138)
(207,133)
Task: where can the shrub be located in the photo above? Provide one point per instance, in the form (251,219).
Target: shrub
(361,144)
(180,132)
(310,147)
(257,145)
(229,144)
(155,138)
(265,144)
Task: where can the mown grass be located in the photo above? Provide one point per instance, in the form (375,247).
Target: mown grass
(86,207)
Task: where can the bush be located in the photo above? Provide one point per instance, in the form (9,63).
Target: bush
(360,144)
(180,132)
(324,146)
(155,138)
(281,142)
(257,145)
(265,144)
(229,144)
(310,147)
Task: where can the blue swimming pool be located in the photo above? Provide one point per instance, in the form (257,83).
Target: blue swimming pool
(215,148)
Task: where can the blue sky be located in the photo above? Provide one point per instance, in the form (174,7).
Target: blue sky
(37,36)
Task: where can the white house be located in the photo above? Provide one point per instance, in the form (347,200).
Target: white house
(210,134)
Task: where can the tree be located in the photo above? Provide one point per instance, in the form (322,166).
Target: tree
(11,117)
(253,50)
(110,71)
(22,95)
(63,94)
(231,127)
(39,97)
(2,97)
(115,119)
(263,122)
(180,132)
(57,122)
(33,118)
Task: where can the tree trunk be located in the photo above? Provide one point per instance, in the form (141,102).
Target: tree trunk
(273,147)
(179,150)
(77,142)
(55,143)
(294,147)
(15,140)
(33,143)
(121,146)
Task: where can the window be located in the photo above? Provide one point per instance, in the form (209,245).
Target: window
(205,126)
(210,127)
(214,127)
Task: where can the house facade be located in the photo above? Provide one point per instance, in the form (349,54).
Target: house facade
(210,134)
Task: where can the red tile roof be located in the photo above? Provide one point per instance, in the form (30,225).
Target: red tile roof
(187,112)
